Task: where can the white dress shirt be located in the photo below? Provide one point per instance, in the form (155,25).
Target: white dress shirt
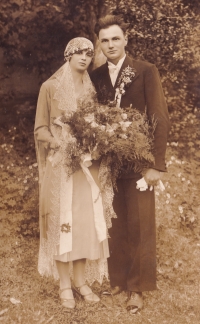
(114,69)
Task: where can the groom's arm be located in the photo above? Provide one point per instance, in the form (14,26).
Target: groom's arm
(157,108)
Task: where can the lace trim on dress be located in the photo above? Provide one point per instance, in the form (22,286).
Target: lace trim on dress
(107,191)
(65,90)
(96,270)
(49,241)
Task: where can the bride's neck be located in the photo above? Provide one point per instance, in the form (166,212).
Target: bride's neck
(78,79)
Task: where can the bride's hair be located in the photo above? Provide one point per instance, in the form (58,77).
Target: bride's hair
(76,45)
(110,20)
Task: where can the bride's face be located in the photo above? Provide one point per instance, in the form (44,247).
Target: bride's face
(81,60)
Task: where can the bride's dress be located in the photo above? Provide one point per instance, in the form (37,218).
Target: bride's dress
(56,195)
(85,243)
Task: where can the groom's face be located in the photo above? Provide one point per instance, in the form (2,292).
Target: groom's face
(112,43)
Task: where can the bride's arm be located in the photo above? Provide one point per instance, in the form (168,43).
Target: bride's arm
(42,120)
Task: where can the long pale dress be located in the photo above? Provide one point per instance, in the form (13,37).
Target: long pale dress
(85,243)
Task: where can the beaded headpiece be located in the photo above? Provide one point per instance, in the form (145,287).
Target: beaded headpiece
(76,45)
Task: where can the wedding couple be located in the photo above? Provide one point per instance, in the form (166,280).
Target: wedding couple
(73,230)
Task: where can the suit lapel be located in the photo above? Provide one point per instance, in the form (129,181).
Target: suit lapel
(106,77)
(127,62)
(105,87)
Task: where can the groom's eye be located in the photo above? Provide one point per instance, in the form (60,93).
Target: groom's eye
(104,40)
(116,38)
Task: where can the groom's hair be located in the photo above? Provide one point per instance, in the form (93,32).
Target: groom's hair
(110,20)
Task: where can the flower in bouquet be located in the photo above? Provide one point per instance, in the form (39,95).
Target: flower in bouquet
(69,152)
(121,137)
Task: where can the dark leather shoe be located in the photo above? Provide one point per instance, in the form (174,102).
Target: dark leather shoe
(134,303)
(113,291)
(116,290)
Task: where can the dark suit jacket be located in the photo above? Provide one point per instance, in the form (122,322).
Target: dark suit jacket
(145,94)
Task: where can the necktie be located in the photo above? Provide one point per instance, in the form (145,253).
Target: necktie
(113,71)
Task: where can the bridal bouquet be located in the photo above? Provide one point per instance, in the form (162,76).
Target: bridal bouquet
(121,138)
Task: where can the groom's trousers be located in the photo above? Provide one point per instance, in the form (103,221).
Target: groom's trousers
(132,242)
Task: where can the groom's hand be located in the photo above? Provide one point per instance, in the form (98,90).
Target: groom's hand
(152,177)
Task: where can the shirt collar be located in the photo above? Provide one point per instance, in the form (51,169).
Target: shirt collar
(119,64)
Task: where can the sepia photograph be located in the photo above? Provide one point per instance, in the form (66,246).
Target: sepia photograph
(100,161)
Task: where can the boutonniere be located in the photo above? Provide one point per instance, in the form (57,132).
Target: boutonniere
(125,79)
(124,82)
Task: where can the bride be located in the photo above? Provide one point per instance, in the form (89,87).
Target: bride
(73,233)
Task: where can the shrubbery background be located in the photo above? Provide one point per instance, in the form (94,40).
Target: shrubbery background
(34,34)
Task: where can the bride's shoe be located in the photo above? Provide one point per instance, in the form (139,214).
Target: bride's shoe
(89,296)
(67,302)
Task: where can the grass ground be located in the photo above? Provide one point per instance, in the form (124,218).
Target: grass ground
(28,298)
(38,302)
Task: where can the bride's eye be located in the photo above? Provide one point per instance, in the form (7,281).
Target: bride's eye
(90,53)
(79,52)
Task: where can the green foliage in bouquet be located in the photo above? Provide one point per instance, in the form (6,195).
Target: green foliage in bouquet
(123,139)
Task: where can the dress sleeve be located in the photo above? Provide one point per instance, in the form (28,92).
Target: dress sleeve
(42,131)
(42,120)
(157,108)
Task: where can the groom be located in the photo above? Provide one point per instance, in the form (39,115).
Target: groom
(132,264)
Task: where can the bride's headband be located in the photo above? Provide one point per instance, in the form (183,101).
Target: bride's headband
(76,45)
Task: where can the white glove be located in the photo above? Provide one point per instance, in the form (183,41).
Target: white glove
(142,185)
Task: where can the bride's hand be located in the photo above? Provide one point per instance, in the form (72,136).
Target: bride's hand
(54,144)
(95,155)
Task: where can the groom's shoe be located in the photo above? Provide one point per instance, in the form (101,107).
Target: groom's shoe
(135,302)
(113,291)
(116,290)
